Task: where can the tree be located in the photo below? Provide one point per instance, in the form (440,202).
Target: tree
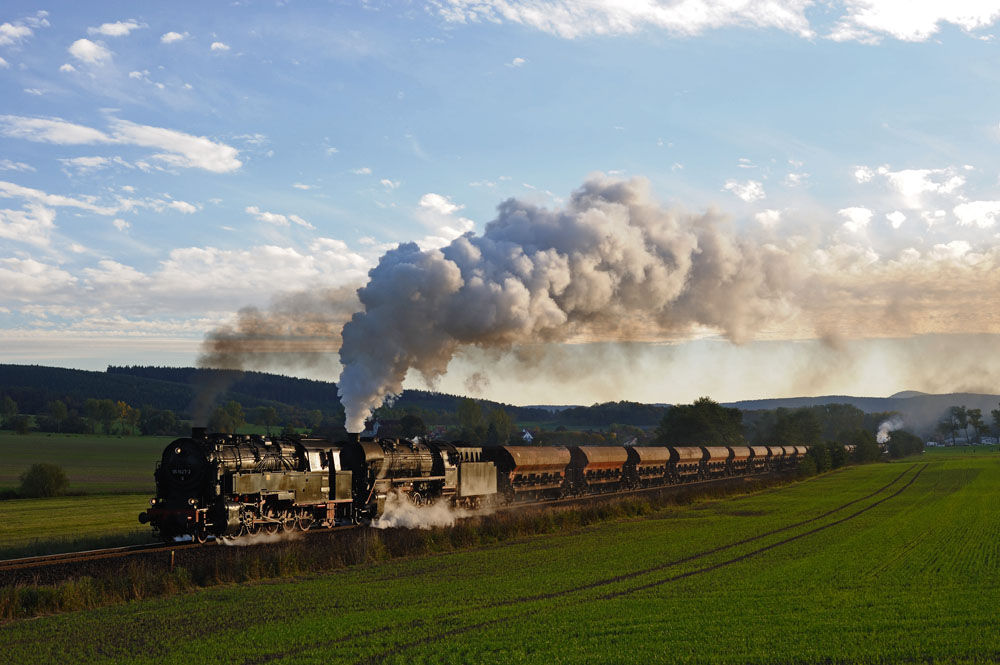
(43,480)
(502,424)
(315,418)
(838,456)
(412,425)
(976,422)
(234,411)
(9,411)
(703,423)
(820,455)
(21,424)
(107,413)
(267,416)
(866,447)
(59,413)
(959,419)
(470,419)
(996,418)
(798,427)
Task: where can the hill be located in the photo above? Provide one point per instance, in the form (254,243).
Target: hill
(919,411)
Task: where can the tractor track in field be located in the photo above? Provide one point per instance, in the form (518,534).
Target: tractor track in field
(455,616)
(429,639)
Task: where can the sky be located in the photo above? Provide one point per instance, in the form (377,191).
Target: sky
(163,167)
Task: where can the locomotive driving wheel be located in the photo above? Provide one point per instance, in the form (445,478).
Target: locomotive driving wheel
(271,527)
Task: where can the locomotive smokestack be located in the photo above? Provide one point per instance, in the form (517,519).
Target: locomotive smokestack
(354,437)
(199,433)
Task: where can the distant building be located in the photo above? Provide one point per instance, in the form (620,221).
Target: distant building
(526,436)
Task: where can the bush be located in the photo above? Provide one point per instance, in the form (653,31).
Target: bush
(43,480)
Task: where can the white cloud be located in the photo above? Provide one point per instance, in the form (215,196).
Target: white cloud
(748,191)
(745,163)
(438,213)
(92,53)
(857,218)
(11,34)
(331,151)
(183,207)
(389,184)
(768,218)
(35,91)
(45,130)
(66,67)
(299,185)
(27,279)
(117,29)
(277,219)
(795,179)
(870,20)
(32,225)
(896,218)
(863,174)
(9,190)
(983,214)
(219,46)
(182,150)
(517,62)
(86,164)
(4,64)
(120,224)
(171,37)
(364,170)
(912,184)
(572,19)
(9,165)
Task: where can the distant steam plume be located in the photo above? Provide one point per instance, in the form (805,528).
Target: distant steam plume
(299,330)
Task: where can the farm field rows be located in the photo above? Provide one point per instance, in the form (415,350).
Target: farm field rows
(882,563)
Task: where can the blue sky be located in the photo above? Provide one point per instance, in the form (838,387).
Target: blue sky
(164,165)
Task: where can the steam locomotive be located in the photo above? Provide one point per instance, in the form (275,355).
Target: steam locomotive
(226,485)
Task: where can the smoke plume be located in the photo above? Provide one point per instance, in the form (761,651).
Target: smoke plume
(610,261)
(886,427)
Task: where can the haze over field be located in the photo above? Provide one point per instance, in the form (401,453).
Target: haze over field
(545,202)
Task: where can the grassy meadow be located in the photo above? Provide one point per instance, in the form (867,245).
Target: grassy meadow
(883,563)
(94,464)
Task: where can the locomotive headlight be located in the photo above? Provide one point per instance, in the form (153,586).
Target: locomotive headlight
(192,501)
(152,502)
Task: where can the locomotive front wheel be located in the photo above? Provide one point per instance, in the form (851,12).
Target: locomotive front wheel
(200,536)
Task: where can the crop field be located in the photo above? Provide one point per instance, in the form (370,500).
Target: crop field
(69,523)
(94,464)
(882,563)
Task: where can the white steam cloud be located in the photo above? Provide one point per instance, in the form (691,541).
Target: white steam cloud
(402,513)
(886,427)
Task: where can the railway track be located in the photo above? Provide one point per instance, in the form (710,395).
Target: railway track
(53,567)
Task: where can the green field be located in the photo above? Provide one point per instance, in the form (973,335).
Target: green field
(94,464)
(59,524)
(877,564)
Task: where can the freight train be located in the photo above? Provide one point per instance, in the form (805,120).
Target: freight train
(226,485)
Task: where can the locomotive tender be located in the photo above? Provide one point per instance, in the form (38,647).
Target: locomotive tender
(227,485)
